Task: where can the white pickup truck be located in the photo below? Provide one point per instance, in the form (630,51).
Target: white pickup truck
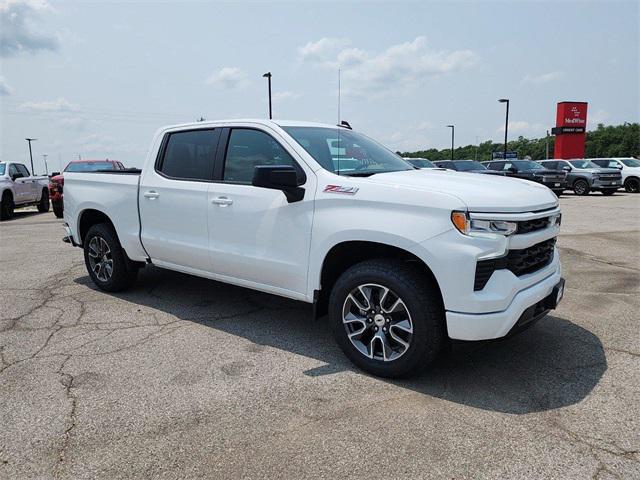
(401,259)
(18,188)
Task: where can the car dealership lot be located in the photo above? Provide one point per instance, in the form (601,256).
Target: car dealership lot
(185,377)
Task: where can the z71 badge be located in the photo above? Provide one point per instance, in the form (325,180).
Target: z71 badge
(341,189)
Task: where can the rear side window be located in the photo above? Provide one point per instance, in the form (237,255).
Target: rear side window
(248,149)
(22,169)
(189,155)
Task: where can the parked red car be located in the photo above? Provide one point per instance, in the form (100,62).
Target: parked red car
(56,181)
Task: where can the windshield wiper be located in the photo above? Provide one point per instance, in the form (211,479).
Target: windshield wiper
(359,174)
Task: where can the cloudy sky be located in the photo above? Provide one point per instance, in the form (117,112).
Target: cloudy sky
(98,78)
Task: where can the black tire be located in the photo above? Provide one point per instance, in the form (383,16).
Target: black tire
(423,304)
(632,185)
(6,206)
(123,271)
(608,191)
(58,208)
(581,187)
(44,203)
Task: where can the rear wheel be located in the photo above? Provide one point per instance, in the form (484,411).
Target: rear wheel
(58,209)
(106,261)
(44,204)
(609,191)
(581,187)
(6,206)
(632,185)
(387,317)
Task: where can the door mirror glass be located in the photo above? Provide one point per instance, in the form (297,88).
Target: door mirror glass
(566,168)
(279,177)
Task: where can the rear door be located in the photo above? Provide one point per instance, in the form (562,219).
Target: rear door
(21,185)
(256,236)
(173,200)
(32,192)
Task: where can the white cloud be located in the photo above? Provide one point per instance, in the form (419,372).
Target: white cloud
(402,66)
(600,116)
(54,106)
(4,88)
(322,51)
(543,78)
(18,33)
(286,95)
(521,126)
(228,78)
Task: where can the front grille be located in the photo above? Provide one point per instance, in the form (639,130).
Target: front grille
(610,177)
(519,262)
(529,226)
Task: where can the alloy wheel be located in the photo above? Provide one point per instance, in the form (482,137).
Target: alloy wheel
(377,322)
(100,259)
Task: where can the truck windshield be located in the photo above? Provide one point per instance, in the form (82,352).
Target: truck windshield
(89,167)
(2,168)
(469,165)
(527,165)
(631,162)
(345,152)
(583,164)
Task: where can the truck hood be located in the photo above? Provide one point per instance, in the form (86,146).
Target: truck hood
(481,193)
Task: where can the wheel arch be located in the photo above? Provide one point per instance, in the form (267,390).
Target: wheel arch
(6,191)
(345,254)
(89,218)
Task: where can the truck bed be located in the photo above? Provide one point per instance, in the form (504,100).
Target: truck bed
(115,193)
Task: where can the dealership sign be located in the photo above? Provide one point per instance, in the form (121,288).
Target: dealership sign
(570,129)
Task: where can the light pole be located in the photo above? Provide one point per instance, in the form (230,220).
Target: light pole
(268,77)
(30,153)
(453,130)
(547,146)
(506,125)
(46,167)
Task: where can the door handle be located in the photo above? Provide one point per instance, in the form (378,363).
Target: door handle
(222,201)
(151,194)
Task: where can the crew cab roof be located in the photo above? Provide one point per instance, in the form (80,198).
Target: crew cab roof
(259,121)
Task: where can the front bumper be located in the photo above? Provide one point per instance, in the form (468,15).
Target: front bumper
(606,184)
(528,306)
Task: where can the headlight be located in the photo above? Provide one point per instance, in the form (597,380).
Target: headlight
(555,220)
(476,226)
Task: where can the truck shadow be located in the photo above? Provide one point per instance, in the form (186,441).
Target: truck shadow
(554,364)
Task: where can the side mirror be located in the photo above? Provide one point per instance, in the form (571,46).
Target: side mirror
(16,176)
(54,174)
(566,168)
(619,167)
(513,170)
(279,177)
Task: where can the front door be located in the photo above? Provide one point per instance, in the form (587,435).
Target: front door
(21,185)
(255,235)
(173,200)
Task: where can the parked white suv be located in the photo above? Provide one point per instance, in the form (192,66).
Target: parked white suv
(629,168)
(18,188)
(401,258)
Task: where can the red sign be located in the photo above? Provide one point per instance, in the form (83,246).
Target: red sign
(571,124)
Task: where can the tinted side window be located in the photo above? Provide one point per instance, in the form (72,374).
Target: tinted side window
(12,169)
(189,155)
(22,169)
(552,165)
(248,149)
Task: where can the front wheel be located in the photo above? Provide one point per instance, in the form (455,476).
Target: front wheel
(106,261)
(609,191)
(43,204)
(6,206)
(632,185)
(581,187)
(387,317)
(58,209)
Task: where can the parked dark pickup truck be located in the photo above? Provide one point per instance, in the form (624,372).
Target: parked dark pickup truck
(584,176)
(466,166)
(556,180)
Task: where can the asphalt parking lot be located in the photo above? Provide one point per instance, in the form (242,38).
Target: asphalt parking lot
(185,377)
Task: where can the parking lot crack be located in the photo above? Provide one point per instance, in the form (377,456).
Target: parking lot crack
(66,379)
